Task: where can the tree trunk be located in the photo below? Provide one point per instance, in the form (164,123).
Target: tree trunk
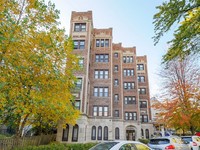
(23,124)
(192,130)
(183,132)
(17,135)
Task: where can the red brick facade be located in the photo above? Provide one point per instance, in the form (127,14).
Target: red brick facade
(111,78)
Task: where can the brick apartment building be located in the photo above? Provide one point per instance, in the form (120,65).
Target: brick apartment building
(112,91)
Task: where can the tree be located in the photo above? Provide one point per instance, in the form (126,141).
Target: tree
(180,108)
(36,66)
(187,36)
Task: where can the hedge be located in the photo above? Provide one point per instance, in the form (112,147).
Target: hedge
(60,146)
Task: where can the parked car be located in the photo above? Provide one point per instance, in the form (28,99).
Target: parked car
(193,141)
(120,145)
(197,134)
(168,143)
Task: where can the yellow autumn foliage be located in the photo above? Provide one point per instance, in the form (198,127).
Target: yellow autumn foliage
(36,66)
(191,15)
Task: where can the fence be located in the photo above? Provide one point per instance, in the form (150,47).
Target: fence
(11,143)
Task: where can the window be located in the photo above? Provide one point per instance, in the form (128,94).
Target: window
(142,91)
(96,74)
(142,132)
(144,118)
(130,116)
(95,109)
(105,133)
(127,59)
(140,67)
(106,43)
(96,92)
(147,133)
(126,116)
(141,79)
(131,59)
(116,83)
(100,111)
(101,91)
(97,43)
(80,27)
(116,68)
(129,85)
(65,133)
(129,100)
(143,104)
(101,58)
(81,62)
(93,136)
(105,110)
(82,44)
(116,55)
(79,44)
(161,141)
(78,84)
(106,74)
(101,74)
(128,72)
(106,58)
(76,44)
(116,113)
(116,98)
(76,27)
(99,133)
(77,104)
(102,42)
(117,133)
(75,133)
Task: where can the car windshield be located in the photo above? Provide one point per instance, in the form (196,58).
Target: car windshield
(197,139)
(188,139)
(159,141)
(104,146)
(141,146)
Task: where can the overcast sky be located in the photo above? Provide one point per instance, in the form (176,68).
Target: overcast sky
(132,23)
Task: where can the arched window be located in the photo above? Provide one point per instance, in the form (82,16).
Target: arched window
(99,133)
(93,136)
(147,133)
(142,132)
(116,133)
(75,133)
(105,133)
(65,133)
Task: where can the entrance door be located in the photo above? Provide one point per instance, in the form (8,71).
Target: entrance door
(130,135)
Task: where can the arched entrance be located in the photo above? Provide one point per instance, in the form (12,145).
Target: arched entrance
(130,133)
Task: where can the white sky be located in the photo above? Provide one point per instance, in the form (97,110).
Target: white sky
(132,23)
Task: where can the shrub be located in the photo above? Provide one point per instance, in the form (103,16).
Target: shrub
(60,146)
(145,141)
(5,136)
(79,146)
(44,147)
